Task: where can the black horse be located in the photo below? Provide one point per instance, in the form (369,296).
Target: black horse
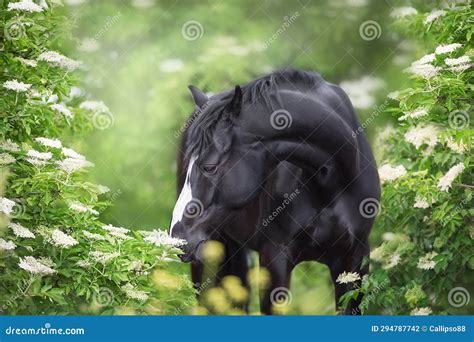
(280,166)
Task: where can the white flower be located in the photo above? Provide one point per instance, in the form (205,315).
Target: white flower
(71,165)
(94,106)
(75,92)
(68,152)
(171,65)
(6,205)
(21,231)
(422,135)
(160,238)
(6,158)
(421,311)
(25,6)
(82,208)
(425,59)
(456,61)
(49,142)
(435,14)
(420,202)
(6,245)
(347,277)
(60,239)
(446,181)
(401,12)
(389,173)
(377,254)
(118,232)
(9,146)
(16,86)
(103,189)
(425,71)
(393,95)
(62,109)
(359,90)
(84,263)
(93,236)
(458,147)
(447,48)
(36,162)
(56,59)
(27,62)
(103,257)
(133,293)
(426,262)
(414,114)
(39,155)
(33,266)
(460,67)
(393,261)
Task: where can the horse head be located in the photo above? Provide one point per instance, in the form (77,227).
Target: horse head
(224,171)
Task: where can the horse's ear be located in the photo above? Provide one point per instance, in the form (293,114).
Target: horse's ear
(198,96)
(235,104)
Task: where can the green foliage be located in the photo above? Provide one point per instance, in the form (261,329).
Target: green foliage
(428,208)
(56,256)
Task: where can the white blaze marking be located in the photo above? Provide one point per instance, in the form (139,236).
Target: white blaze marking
(184,197)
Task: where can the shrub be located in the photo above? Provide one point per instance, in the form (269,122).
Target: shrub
(56,255)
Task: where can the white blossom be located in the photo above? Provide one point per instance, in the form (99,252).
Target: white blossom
(6,205)
(377,254)
(419,136)
(39,155)
(425,59)
(414,114)
(62,109)
(9,146)
(93,236)
(393,95)
(460,67)
(33,266)
(118,232)
(56,59)
(70,165)
(446,181)
(388,173)
(68,152)
(21,231)
(420,202)
(160,238)
(447,48)
(6,245)
(348,277)
(421,311)
(458,147)
(426,262)
(82,208)
(456,61)
(171,65)
(388,236)
(425,71)
(103,189)
(94,106)
(393,261)
(27,62)
(6,158)
(49,142)
(16,86)
(60,239)
(133,293)
(84,263)
(401,12)
(25,6)
(435,14)
(103,257)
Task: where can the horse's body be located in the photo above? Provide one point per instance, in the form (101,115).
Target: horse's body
(312,179)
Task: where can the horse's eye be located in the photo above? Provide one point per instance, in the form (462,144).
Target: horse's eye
(211,169)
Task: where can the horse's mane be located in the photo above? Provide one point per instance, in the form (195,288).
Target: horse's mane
(261,91)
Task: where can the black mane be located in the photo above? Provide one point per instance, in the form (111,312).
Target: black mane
(259,91)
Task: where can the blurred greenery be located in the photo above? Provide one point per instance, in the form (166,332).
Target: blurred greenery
(139,63)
